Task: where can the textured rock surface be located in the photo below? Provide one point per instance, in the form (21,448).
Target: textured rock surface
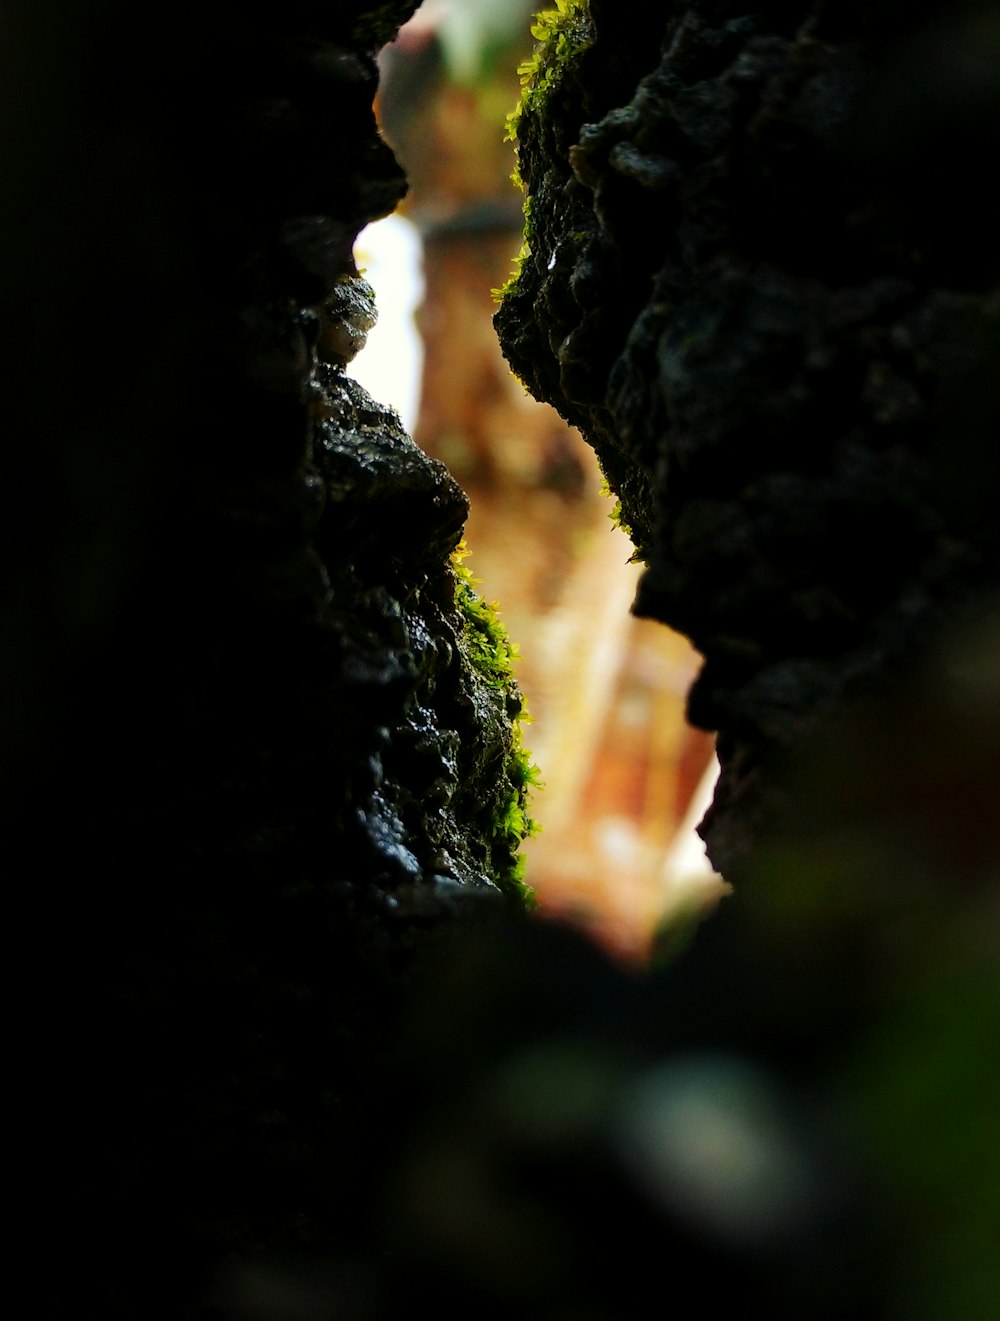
(762,281)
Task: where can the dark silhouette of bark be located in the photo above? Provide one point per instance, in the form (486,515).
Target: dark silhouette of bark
(249,757)
(762,281)
(288,1045)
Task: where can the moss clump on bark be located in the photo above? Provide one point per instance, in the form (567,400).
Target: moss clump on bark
(491,654)
(560,34)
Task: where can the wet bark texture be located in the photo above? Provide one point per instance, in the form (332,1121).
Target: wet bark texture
(249,760)
(762,282)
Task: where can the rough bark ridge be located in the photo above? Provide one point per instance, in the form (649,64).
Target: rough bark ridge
(259,733)
(761,278)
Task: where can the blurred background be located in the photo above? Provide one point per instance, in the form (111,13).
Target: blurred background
(625,779)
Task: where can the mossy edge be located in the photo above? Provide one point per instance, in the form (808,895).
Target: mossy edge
(560,34)
(493,654)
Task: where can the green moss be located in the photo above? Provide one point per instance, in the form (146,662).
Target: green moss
(639,555)
(492,655)
(524,252)
(560,34)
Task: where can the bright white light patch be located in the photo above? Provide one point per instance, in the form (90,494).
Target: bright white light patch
(390,366)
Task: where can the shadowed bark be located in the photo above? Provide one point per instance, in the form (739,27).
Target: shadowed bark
(762,281)
(288,1045)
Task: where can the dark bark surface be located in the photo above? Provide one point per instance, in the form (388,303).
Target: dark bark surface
(763,282)
(249,761)
(265,1068)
